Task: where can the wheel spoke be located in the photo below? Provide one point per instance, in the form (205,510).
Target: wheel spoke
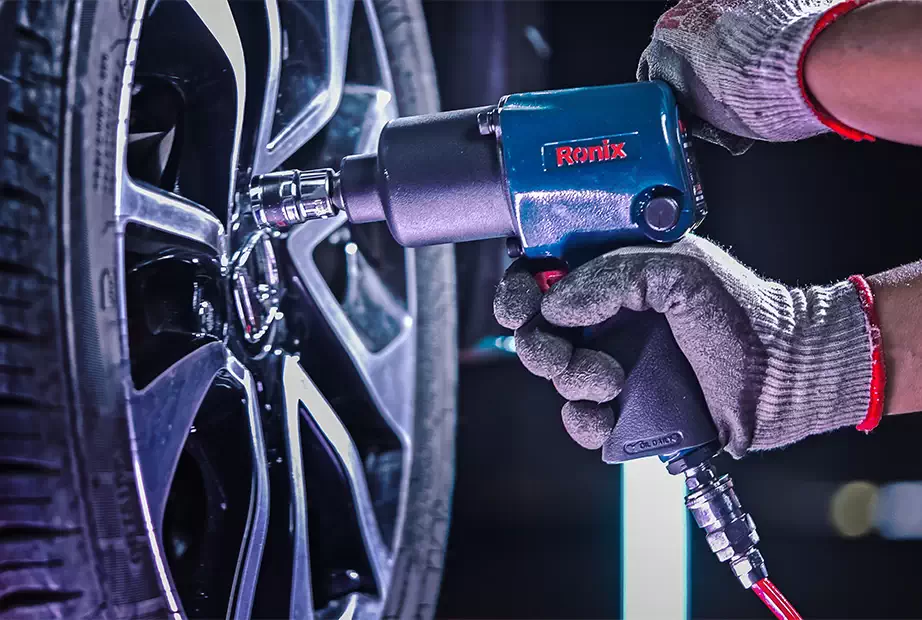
(385,371)
(148,206)
(273,149)
(300,390)
(301,605)
(251,550)
(162,414)
(218,18)
(379,108)
(384,66)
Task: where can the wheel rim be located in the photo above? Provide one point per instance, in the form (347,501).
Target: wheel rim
(297,350)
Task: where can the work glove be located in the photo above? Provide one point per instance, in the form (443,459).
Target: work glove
(775,364)
(738,65)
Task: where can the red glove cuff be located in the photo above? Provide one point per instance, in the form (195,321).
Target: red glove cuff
(878,371)
(825,117)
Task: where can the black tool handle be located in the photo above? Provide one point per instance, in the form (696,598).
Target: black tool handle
(661,409)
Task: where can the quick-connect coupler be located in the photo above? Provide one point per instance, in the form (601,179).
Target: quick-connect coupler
(712,501)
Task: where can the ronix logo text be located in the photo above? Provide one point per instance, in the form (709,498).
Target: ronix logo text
(572,155)
(578,152)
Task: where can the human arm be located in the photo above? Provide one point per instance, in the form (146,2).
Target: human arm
(865,69)
(783,70)
(898,295)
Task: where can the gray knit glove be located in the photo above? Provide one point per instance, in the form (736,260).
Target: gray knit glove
(775,364)
(737,65)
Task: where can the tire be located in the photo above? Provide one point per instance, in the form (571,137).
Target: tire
(420,559)
(73,541)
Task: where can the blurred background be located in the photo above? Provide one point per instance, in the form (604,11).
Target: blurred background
(536,530)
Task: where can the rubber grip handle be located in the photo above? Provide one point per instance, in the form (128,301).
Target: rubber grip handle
(661,409)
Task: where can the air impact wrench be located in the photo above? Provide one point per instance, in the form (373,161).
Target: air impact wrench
(564,176)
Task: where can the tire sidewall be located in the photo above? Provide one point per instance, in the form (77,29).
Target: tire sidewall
(101,38)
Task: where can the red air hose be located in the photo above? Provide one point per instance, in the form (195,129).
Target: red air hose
(774,600)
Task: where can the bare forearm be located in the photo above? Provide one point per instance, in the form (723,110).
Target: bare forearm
(898,298)
(866,69)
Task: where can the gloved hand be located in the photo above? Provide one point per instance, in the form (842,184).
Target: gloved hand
(775,364)
(738,65)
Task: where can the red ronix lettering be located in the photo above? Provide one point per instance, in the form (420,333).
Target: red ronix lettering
(571,155)
(616,151)
(564,154)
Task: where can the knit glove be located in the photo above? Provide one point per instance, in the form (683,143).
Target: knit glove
(738,65)
(775,364)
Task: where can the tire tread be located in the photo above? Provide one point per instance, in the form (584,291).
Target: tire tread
(43,542)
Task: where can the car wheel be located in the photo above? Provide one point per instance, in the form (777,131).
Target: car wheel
(199,418)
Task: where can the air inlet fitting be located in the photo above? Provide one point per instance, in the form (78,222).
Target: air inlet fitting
(731,533)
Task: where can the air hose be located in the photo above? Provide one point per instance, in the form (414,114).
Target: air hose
(769,594)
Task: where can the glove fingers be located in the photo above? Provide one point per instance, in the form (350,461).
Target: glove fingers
(542,352)
(638,279)
(588,424)
(517,298)
(591,376)
(596,291)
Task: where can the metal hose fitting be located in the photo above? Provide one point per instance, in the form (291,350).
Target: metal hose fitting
(283,199)
(731,533)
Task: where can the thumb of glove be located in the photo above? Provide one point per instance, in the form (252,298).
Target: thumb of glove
(661,62)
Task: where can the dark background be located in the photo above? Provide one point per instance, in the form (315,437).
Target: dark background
(536,519)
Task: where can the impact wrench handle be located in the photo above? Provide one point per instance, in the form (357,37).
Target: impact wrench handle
(661,409)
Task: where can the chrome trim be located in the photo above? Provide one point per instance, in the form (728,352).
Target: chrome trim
(257,303)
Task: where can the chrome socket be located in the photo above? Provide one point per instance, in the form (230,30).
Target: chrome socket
(282,199)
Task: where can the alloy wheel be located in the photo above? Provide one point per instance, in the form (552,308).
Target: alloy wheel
(269,378)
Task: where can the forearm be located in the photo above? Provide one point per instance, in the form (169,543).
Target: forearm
(865,70)
(898,299)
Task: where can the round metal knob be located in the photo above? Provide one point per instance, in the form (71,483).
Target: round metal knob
(661,213)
